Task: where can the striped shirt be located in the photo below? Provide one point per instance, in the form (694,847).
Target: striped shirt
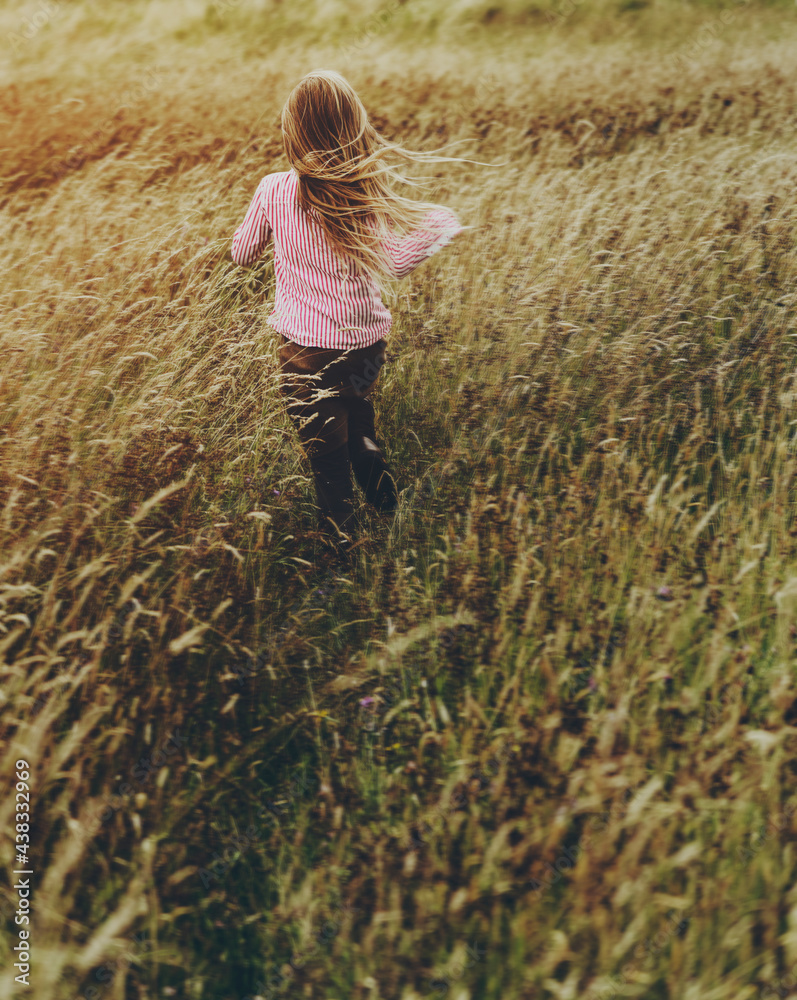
(318,303)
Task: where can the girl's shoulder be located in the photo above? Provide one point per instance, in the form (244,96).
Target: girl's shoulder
(281,186)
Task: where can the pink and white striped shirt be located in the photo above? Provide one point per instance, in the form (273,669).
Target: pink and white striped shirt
(317,303)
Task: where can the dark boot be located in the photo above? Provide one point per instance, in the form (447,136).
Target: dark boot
(370,468)
(332,476)
(373,474)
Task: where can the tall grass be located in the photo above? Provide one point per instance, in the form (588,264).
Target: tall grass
(538,741)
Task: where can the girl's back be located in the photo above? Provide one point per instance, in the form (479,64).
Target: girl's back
(322,299)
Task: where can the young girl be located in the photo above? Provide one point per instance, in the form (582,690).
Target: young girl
(340,232)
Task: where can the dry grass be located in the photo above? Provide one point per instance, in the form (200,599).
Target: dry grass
(591,408)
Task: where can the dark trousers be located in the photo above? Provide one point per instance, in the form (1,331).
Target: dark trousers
(327,393)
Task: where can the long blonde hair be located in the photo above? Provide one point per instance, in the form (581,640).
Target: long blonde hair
(345,182)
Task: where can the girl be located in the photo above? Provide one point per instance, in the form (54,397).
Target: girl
(341,232)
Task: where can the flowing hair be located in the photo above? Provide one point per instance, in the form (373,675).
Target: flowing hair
(345,183)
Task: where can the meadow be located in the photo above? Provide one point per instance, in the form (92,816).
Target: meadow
(537,741)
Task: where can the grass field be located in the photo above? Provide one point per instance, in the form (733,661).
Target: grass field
(540,741)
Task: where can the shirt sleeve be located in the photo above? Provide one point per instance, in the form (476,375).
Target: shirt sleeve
(251,236)
(438,229)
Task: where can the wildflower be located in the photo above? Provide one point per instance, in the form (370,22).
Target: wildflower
(366,701)
(664,593)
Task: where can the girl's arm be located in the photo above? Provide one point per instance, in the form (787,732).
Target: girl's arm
(439,228)
(251,236)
